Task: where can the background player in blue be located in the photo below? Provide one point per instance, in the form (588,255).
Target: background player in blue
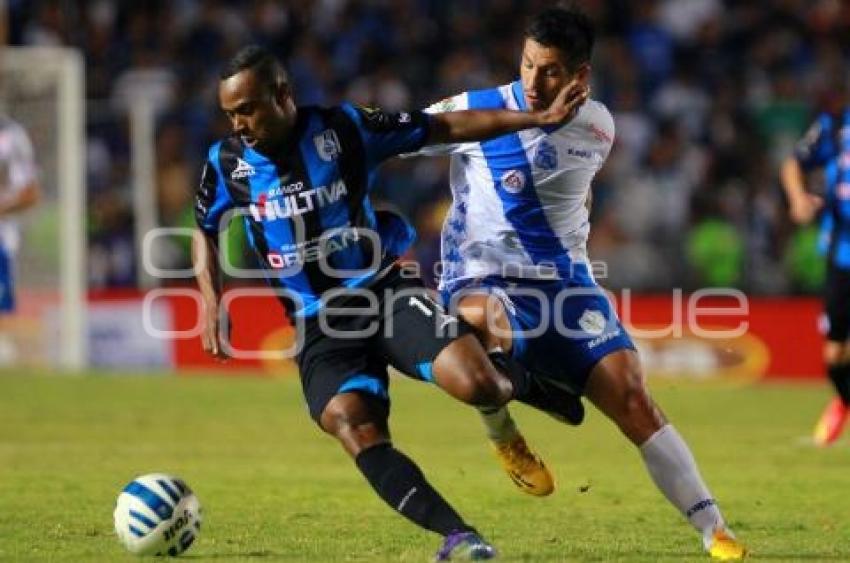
(300,178)
(515,266)
(826,146)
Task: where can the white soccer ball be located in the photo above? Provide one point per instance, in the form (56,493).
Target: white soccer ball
(157,514)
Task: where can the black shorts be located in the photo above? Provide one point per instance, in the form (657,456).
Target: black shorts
(837,303)
(399,324)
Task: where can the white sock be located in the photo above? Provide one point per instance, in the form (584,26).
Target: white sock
(499,424)
(674,470)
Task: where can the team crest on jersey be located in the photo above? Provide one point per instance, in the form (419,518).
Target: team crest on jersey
(242,170)
(546,156)
(327,145)
(592,322)
(513,181)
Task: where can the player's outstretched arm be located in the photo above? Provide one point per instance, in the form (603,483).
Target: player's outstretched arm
(802,205)
(478,125)
(205,260)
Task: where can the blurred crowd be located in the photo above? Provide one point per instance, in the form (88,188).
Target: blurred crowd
(708,97)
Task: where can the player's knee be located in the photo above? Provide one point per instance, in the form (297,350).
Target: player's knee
(465,372)
(479,385)
(355,423)
(487,387)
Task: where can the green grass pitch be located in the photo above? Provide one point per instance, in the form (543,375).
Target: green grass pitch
(274,488)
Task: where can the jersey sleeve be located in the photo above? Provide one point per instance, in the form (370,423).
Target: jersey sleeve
(816,147)
(455,103)
(21,162)
(211,199)
(387,134)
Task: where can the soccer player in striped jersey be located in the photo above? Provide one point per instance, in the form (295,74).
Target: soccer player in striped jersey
(19,190)
(514,242)
(300,178)
(826,146)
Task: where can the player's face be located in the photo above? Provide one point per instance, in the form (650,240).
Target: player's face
(261,115)
(544,73)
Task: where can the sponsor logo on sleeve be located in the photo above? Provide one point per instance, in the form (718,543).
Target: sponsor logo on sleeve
(597,132)
(448,104)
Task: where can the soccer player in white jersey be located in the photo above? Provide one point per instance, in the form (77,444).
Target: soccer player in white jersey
(515,265)
(19,190)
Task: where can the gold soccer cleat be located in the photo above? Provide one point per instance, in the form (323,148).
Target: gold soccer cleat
(724,547)
(524,467)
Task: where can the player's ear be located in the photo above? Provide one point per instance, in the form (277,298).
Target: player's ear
(283,93)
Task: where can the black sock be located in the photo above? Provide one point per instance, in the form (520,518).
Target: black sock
(839,374)
(512,370)
(402,485)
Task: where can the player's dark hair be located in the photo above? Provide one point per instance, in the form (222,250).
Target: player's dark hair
(566,29)
(265,65)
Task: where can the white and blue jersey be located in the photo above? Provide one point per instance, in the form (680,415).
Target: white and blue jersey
(519,204)
(306,209)
(518,229)
(17,171)
(827,145)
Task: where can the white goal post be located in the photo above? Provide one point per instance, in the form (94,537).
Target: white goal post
(43,88)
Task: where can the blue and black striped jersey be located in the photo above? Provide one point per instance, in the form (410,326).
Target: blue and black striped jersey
(306,210)
(827,145)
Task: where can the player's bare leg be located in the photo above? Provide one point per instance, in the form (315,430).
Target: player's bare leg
(616,387)
(831,423)
(360,423)
(464,371)
(524,467)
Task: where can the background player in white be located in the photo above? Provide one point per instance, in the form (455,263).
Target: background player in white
(19,190)
(515,242)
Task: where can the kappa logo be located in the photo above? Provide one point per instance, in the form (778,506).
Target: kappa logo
(327,145)
(242,170)
(546,156)
(592,322)
(513,181)
(581,153)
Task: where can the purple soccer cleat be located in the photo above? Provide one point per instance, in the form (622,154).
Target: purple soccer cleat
(465,546)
